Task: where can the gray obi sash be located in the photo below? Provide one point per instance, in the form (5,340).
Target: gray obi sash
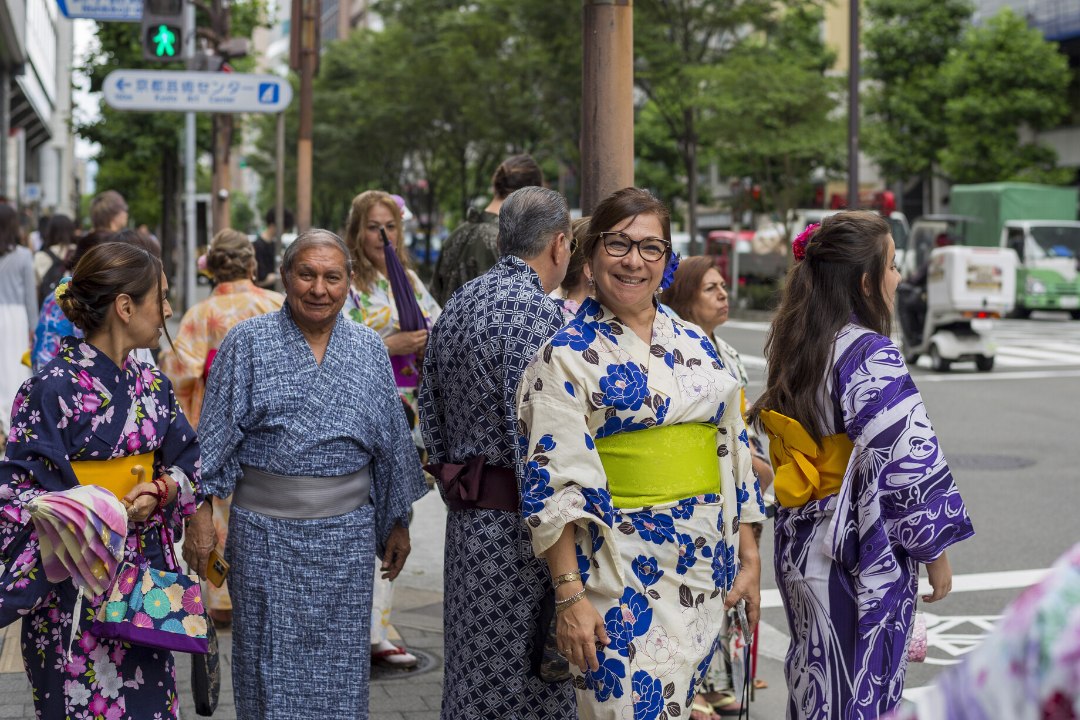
(302,498)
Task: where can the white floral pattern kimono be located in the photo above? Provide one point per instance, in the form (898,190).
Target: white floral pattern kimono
(658,575)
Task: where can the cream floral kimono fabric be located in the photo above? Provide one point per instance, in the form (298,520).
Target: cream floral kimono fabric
(658,575)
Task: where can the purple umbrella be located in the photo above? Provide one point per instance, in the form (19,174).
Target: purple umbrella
(410,317)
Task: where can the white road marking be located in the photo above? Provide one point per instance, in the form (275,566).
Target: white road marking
(991,376)
(748,325)
(971,582)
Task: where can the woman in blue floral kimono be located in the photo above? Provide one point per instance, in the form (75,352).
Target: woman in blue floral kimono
(865,493)
(95,411)
(637,479)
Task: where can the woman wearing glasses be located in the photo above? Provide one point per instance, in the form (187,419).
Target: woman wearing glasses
(637,478)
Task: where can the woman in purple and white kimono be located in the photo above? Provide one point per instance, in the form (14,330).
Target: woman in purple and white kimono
(88,417)
(865,493)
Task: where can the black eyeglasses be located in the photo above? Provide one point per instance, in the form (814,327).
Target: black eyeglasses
(618,244)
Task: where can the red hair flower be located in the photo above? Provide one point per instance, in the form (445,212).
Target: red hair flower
(798,246)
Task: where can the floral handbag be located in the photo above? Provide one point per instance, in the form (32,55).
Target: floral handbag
(154,608)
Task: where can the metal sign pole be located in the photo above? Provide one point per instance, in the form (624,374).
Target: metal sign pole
(190,259)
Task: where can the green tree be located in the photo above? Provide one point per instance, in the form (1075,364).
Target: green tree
(1003,81)
(906,42)
(774,112)
(679,44)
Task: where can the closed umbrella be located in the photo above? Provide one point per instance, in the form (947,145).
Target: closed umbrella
(410,317)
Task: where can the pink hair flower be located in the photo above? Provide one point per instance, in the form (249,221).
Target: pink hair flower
(798,246)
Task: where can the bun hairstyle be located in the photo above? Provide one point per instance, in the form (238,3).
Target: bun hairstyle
(231,256)
(514,173)
(104,273)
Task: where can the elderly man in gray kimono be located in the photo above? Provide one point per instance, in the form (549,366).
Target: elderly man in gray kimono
(301,424)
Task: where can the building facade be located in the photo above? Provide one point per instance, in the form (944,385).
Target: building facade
(36,144)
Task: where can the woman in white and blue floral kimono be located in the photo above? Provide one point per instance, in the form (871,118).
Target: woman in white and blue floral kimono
(637,479)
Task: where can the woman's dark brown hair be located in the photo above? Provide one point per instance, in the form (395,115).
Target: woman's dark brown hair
(10,230)
(821,295)
(686,287)
(104,273)
(514,173)
(618,206)
(59,232)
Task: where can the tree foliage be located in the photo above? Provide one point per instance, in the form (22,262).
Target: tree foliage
(1003,81)
(430,105)
(774,113)
(906,44)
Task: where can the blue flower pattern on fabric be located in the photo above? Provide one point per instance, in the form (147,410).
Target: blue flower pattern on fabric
(536,485)
(648,696)
(630,619)
(655,527)
(578,335)
(647,570)
(598,502)
(687,554)
(625,386)
(606,681)
(615,425)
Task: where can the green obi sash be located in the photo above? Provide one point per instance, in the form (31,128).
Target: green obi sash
(663,464)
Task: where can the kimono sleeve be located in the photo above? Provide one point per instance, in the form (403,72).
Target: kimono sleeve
(898,494)
(185,362)
(564,481)
(734,436)
(224,413)
(428,304)
(181,457)
(430,402)
(34,464)
(397,478)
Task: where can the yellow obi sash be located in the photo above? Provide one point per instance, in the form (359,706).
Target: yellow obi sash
(804,471)
(662,464)
(117,475)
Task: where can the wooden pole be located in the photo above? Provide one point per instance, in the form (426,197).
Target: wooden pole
(607,103)
(309,57)
(853,108)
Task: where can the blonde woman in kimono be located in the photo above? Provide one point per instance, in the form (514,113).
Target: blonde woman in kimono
(637,480)
(866,497)
(371,302)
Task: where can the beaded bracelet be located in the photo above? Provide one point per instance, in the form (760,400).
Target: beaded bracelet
(561,605)
(566,578)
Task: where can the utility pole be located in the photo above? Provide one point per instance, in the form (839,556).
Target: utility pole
(607,102)
(189,259)
(853,108)
(308,61)
(220,18)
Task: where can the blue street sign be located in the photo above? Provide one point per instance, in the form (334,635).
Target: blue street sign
(184,91)
(103,10)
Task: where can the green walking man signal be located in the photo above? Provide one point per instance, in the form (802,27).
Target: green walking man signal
(164,42)
(164,30)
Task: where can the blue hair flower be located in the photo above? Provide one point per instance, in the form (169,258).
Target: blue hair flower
(669,271)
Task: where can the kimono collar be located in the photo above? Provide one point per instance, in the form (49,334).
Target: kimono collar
(513,265)
(233,287)
(602,313)
(293,334)
(94,367)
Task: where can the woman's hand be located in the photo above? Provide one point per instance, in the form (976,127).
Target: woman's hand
(940,574)
(747,586)
(406,343)
(577,629)
(142,501)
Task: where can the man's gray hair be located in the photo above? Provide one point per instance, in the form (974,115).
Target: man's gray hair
(313,238)
(529,218)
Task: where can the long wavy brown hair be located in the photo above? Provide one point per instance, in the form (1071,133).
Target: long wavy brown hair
(364,272)
(822,293)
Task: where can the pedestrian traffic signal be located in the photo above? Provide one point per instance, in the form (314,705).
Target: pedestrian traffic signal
(163,29)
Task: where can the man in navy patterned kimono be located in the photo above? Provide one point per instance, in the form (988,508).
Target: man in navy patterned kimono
(494,587)
(305,430)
